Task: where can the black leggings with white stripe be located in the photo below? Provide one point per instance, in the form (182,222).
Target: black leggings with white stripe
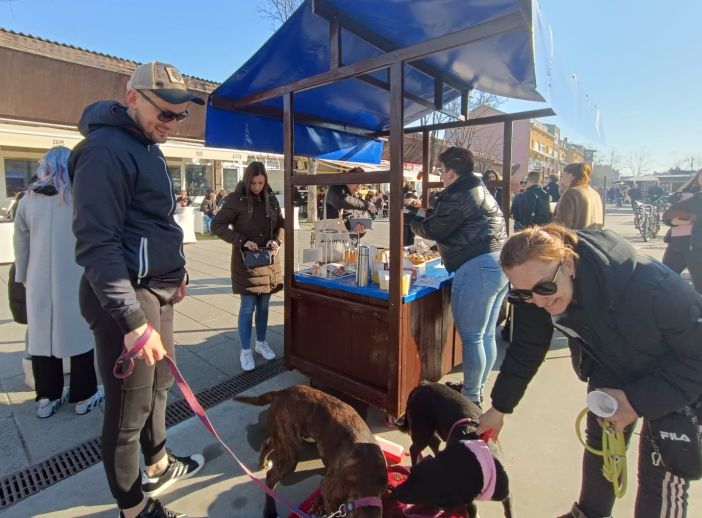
(660,494)
(135,408)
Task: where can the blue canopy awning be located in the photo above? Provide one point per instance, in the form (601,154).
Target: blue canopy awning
(337,120)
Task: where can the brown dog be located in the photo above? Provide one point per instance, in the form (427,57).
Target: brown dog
(355,463)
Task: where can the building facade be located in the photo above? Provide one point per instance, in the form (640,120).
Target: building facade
(46,85)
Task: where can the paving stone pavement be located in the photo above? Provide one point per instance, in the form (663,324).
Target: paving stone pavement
(545,473)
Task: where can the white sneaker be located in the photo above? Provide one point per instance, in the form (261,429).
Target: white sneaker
(86,406)
(246,359)
(264,350)
(47,408)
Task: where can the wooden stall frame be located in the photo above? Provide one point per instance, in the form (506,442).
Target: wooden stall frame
(393,60)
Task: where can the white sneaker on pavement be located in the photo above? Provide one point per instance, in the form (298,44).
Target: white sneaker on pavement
(264,350)
(86,406)
(47,407)
(246,359)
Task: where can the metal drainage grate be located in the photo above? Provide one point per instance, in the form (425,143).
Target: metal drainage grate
(33,479)
(179,410)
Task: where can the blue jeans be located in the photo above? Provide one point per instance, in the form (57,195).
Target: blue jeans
(478,288)
(249,304)
(207,223)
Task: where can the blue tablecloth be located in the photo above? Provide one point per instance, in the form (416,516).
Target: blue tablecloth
(348,283)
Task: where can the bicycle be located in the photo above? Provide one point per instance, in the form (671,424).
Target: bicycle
(655,216)
(644,221)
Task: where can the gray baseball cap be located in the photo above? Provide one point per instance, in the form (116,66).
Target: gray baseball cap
(164,80)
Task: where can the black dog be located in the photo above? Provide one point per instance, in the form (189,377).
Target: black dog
(454,477)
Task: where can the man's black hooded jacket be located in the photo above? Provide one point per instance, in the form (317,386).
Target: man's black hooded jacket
(123,212)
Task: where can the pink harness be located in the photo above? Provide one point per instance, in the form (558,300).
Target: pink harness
(487,465)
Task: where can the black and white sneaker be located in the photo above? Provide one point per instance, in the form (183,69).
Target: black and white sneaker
(179,468)
(155,509)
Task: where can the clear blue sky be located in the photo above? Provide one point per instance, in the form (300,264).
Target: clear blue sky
(639,60)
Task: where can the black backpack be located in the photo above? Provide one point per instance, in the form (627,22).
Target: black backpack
(17,296)
(535,207)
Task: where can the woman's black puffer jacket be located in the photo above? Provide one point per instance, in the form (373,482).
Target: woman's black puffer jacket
(466,223)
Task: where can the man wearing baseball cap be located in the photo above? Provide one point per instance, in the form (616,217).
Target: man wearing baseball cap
(132,252)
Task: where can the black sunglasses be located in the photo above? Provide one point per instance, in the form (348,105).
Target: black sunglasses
(546,288)
(166,115)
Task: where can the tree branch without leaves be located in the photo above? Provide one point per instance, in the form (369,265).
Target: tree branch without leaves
(277,11)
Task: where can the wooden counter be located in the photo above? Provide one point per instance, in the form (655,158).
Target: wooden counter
(340,339)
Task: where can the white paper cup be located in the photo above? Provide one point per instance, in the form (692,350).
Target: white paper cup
(601,404)
(384,278)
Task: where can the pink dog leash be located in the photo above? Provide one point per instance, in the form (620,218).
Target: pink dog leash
(129,355)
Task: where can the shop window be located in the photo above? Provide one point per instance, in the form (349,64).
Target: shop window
(230,177)
(273,164)
(174,173)
(18,175)
(198,179)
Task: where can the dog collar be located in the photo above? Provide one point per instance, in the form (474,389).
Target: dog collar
(487,465)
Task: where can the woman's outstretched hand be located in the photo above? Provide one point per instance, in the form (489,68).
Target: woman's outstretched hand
(491,420)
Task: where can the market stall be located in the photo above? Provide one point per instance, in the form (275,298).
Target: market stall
(331,82)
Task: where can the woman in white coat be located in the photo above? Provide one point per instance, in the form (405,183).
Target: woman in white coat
(45,263)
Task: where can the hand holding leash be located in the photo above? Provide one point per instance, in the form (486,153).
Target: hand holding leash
(143,343)
(491,423)
(625,414)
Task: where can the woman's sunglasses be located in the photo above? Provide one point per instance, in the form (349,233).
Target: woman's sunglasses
(166,115)
(546,288)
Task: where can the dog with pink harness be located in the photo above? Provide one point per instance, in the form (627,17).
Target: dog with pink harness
(467,469)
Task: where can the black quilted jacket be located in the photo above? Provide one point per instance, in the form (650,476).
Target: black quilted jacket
(466,223)
(636,321)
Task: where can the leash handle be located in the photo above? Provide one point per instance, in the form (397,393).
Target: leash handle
(485,437)
(127,357)
(613,454)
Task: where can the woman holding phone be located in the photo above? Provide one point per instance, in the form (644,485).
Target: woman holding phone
(251,219)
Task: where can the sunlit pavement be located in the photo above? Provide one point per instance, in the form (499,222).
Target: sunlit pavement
(541,451)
